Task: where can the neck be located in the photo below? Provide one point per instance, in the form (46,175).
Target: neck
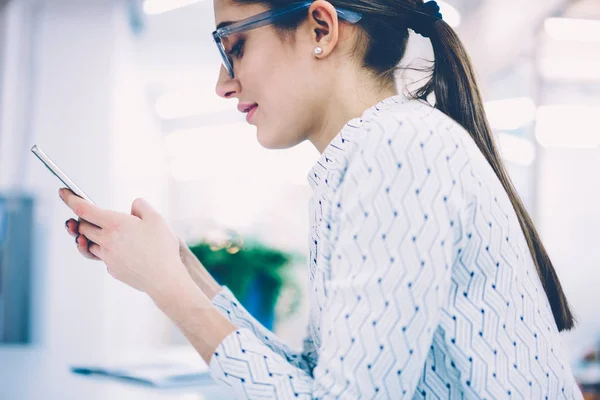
(344,103)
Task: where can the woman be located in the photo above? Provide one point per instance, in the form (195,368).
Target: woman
(427,277)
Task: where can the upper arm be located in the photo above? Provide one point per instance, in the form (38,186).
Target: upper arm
(390,263)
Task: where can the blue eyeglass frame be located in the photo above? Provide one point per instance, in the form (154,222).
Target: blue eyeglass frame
(266,18)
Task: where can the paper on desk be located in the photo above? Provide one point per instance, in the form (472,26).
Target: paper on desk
(170,369)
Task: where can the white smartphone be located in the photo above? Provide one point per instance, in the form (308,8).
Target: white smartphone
(59,173)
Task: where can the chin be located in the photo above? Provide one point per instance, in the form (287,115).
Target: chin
(269,139)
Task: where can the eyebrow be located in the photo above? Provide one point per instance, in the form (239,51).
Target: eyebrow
(224,24)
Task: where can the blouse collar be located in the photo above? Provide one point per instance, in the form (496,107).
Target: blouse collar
(328,171)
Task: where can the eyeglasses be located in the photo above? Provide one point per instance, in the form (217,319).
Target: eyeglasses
(266,18)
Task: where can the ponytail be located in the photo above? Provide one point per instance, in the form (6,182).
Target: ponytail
(454,84)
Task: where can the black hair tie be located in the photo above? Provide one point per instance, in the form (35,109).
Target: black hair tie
(423,20)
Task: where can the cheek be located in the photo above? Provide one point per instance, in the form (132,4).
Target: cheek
(270,79)
(274,78)
(263,66)
(271,62)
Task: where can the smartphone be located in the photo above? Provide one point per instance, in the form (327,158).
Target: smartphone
(59,173)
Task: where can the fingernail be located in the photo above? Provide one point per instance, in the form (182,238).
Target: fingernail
(77,239)
(67,224)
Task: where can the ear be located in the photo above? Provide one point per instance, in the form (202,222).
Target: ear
(324,26)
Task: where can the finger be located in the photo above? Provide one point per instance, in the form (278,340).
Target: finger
(72,227)
(96,250)
(91,231)
(141,208)
(86,210)
(83,247)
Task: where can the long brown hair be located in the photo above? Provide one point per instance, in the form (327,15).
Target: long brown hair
(385,25)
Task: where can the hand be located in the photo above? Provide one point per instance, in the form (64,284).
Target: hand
(139,249)
(194,267)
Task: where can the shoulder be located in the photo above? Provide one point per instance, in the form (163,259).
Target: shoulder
(404,128)
(410,133)
(409,147)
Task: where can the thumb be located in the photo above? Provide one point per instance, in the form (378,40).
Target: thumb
(141,208)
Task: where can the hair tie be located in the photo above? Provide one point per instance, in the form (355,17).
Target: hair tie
(424,18)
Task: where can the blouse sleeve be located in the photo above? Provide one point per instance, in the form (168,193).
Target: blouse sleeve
(390,251)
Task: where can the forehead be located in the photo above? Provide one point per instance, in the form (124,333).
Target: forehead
(227,10)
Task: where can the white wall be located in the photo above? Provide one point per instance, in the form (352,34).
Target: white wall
(569,224)
(568,215)
(17,58)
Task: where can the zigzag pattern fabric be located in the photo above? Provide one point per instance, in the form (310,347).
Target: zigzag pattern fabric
(421,283)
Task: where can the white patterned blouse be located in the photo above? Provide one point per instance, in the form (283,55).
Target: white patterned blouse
(421,282)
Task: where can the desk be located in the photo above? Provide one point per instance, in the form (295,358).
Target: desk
(37,374)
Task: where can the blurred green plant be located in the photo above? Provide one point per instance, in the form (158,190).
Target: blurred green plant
(242,264)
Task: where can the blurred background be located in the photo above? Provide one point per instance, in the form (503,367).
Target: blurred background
(120,93)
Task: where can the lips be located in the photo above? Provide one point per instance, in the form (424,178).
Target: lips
(246,107)
(251,113)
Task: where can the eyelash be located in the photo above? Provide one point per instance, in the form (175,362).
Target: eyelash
(236,50)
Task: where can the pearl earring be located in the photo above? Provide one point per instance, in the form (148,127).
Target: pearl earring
(318,51)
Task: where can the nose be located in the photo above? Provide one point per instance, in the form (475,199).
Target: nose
(227,87)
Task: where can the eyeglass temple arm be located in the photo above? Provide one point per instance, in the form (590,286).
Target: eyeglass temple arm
(350,16)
